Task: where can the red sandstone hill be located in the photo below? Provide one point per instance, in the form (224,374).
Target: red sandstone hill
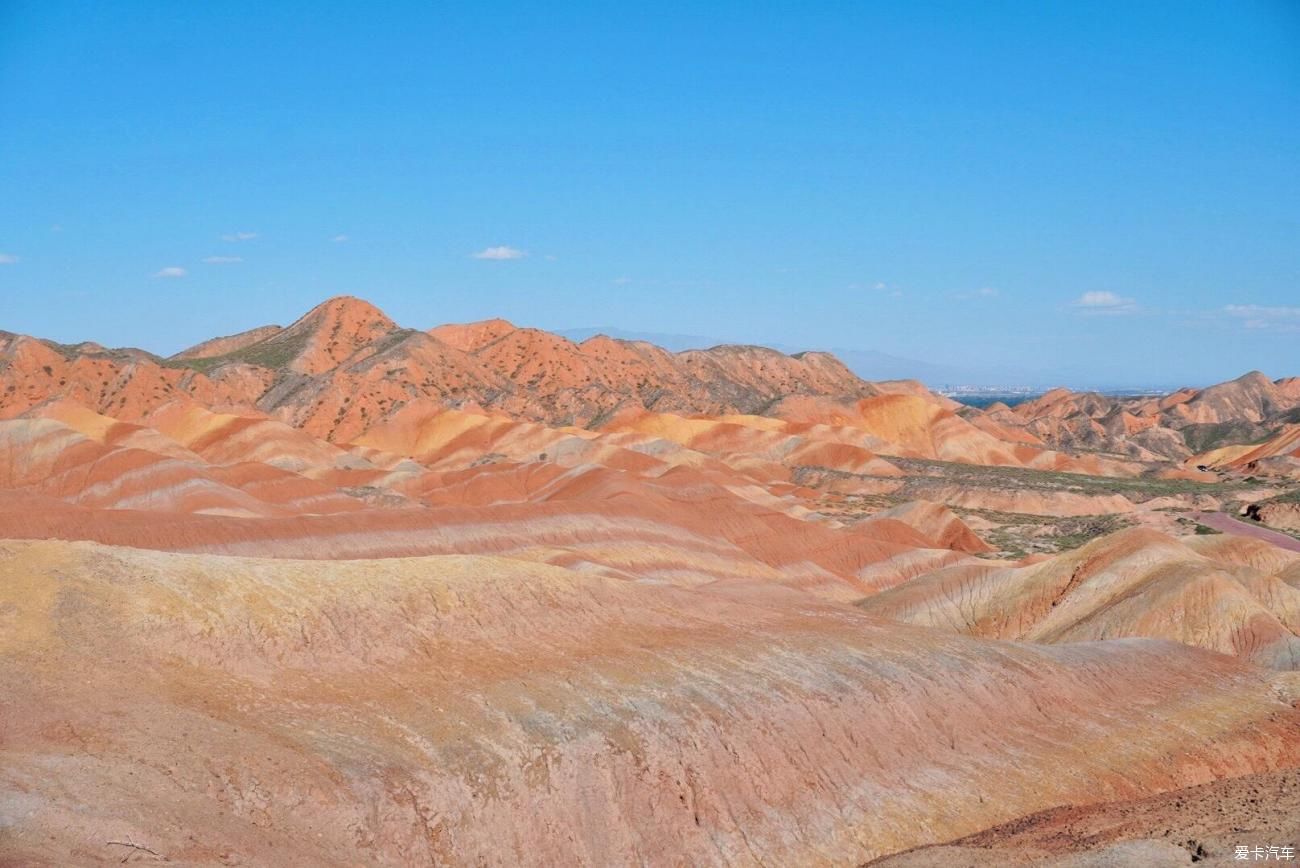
(345,367)
(352,349)
(348,593)
(1175,426)
(1228,594)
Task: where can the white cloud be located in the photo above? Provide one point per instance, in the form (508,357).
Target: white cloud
(171,271)
(1258,311)
(1104,302)
(340,239)
(499,253)
(982,292)
(622,281)
(1266,317)
(888,289)
(222,260)
(7,259)
(239,236)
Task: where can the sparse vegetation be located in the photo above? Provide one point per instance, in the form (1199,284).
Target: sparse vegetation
(274,352)
(1017,534)
(1138,489)
(1206,436)
(1292,496)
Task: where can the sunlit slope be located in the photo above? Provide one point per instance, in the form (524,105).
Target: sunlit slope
(471,710)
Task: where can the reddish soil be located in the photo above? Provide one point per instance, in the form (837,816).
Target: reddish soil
(1206,823)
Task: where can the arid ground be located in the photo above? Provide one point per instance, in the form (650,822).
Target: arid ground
(350,593)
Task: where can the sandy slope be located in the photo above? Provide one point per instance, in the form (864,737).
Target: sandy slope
(1201,825)
(1223,596)
(477,710)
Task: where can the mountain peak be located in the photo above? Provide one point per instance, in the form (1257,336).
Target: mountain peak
(473,336)
(329,333)
(348,308)
(1254,378)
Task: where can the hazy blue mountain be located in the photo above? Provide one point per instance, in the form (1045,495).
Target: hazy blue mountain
(868,364)
(675,343)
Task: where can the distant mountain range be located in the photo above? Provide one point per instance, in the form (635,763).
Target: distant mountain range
(868,364)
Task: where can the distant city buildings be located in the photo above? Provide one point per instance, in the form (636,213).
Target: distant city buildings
(953,391)
(974,391)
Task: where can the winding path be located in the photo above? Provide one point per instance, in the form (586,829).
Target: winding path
(1227,524)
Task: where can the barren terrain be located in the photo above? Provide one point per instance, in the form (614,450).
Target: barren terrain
(344,592)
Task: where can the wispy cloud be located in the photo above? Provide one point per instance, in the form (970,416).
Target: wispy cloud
(1104,302)
(7,259)
(880,286)
(239,236)
(172,271)
(1262,317)
(340,239)
(222,260)
(622,281)
(500,253)
(982,292)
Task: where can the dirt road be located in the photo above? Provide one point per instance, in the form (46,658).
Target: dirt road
(1227,524)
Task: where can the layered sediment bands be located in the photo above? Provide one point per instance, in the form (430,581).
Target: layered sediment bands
(344,365)
(938,523)
(347,593)
(344,368)
(476,710)
(119,466)
(1173,426)
(1133,583)
(911,425)
(679,542)
(1285,444)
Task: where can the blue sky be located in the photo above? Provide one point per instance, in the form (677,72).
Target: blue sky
(1099,193)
